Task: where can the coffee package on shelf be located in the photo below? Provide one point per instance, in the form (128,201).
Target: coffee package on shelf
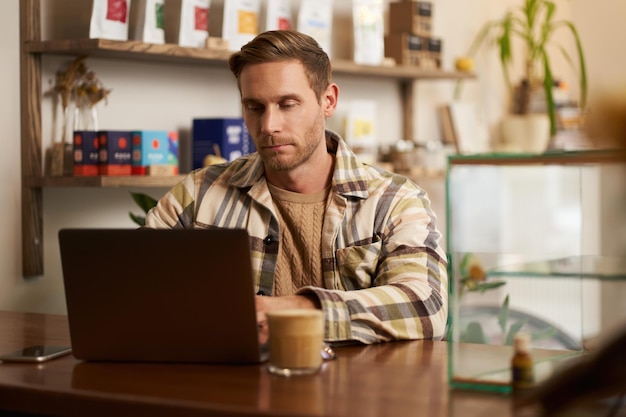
(86,153)
(146,21)
(241,22)
(360,129)
(225,137)
(278,15)
(369,31)
(155,152)
(315,19)
(187,22)
(114,152)
(109,19)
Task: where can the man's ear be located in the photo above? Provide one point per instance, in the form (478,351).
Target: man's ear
(329,100)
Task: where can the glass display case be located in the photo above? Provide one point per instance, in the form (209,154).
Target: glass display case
(536,244)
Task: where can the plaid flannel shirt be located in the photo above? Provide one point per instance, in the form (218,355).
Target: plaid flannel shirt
(385,275)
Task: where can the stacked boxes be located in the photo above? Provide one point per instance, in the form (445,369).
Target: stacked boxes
(229,135)
(410,40)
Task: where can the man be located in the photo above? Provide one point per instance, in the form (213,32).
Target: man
(325,230)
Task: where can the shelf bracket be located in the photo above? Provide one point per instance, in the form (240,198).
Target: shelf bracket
(407,93)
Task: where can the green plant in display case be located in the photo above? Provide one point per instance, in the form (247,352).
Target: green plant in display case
(533,23)
(474,278)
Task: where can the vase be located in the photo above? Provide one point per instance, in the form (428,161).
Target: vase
(525,133)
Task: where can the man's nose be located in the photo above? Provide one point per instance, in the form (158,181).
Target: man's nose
(272,120)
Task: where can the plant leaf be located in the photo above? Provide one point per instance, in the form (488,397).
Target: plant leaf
(465,263)
(548,84)
(140,220)
(144,201)
(485,286)
(515,328)
(503,315)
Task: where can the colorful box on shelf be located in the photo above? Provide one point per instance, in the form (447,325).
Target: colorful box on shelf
(229,134)
(86,162)
(114,152)
(155,152)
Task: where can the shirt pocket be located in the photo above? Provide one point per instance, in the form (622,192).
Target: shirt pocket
(358,264)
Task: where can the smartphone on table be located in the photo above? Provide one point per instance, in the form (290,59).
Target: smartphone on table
(36,353)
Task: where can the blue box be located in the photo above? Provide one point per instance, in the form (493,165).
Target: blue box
(230,134)
(114,152)
(86,162)
(150,147)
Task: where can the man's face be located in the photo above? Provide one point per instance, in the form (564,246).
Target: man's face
(282,113)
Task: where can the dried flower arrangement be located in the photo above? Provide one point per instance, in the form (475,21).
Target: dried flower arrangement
(78,85)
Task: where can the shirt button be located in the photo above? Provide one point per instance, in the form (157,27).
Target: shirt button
(268,240)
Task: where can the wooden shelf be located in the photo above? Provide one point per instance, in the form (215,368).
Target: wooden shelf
(595,156)
(172,53)
(104,181)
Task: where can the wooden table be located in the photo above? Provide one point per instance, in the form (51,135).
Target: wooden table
(390,379)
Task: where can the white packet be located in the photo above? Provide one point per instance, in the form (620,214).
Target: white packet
(146,21)
(360,129)
(278,15)
(369,31)
(241,22)
(109,19)
(315,19)
(187,22)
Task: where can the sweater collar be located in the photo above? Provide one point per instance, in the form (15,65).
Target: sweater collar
(349,178)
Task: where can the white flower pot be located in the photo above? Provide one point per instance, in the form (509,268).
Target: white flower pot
(529,133)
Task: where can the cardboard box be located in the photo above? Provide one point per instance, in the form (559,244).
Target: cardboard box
(86,159)
(406,48)
(229,134)
(413,17)
(115,152)
(169,166)
(150,147)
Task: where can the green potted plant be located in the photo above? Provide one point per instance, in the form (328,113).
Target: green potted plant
(145,202)
(533,23)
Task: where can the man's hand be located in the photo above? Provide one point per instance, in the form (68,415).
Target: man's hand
(265,304)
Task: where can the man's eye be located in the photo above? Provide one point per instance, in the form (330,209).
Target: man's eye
(255,108)
(287,104)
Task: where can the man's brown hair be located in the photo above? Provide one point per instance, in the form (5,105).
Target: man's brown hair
(286,45)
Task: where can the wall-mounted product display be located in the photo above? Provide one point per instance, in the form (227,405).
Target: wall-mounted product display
(35,178)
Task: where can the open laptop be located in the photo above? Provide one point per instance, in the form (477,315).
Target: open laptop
(162,295)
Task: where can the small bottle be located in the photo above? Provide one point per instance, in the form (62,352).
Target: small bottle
(522,371)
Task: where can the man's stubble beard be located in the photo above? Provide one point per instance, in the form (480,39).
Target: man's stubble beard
(303,151)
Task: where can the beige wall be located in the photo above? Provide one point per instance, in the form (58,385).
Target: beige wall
(147,95)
